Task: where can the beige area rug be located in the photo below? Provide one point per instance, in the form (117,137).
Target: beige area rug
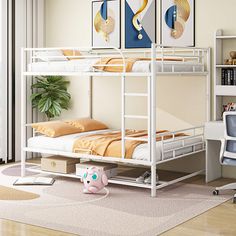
(116,211)
(7,193)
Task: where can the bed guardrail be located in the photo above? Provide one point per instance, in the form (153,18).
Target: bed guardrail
(192,141)
(173,56)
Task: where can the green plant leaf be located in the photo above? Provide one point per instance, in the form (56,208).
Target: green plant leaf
(65,104)
(34,95)
(48,104)
(55,109)
(51,96)
(41,104)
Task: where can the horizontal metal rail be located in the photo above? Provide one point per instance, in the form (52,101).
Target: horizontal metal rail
(135,117)
(136,139)
(189,154)
(185,146)
(136,94)
(182,138)
(112,74)
(180,179)
(184,55)
(120,179)
(88,157)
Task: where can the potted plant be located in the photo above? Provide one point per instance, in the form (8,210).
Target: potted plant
(51,95)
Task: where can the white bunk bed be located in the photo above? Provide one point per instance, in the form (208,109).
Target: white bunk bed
(191,61)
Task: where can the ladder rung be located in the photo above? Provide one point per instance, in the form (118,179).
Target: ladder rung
(136,94)
(137,138)
(135,117)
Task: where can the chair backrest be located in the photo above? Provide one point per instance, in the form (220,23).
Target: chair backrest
(228,151)
(230,124)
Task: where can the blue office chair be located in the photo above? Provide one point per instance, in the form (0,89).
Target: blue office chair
(228,148)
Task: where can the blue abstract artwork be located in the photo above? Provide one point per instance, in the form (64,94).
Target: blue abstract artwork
(178,23)
(140,23)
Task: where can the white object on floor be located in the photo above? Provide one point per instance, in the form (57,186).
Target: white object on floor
(148,179)
(142,177)
(34,181)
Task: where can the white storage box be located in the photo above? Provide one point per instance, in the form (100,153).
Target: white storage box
(109,169)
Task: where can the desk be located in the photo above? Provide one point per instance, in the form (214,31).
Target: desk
(214,132)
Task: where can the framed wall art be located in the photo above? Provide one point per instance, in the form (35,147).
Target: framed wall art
(178,27)
(106,23)
(140,23)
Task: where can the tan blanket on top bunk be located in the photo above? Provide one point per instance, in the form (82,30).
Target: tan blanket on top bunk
(110,64)
(109,144)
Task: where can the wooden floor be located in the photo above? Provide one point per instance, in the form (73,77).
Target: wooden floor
(217,221)
(220,220)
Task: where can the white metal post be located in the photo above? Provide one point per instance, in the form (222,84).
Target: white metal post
(90,96)
(123,117)
(153,121)
(208,86)
(149,118)
(23,113)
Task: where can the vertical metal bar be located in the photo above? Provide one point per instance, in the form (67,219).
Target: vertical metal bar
(149,117)
(90,94)
(153,120)
(23,113)
(123,116)
(198,53)
(208,86)
(203,59)
(162,148)
(162,58)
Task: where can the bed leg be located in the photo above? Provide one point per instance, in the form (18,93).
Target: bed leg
(23,158)
(153,181)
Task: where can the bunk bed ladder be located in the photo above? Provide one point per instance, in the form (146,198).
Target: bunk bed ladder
(135,117)
(150,117)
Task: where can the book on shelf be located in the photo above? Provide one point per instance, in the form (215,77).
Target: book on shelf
(228,76)
(34,181)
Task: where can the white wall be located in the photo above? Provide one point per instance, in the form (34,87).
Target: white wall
(181,100)
(68,23)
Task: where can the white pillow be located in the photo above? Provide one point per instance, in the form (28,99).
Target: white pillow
(56,55)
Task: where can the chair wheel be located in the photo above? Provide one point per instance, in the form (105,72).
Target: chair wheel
(215,192)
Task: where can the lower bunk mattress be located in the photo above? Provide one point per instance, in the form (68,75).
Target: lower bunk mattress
(65,144)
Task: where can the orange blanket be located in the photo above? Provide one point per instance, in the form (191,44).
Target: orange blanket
(109,144)
(110,64)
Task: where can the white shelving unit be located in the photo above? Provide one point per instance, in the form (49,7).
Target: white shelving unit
(221,91)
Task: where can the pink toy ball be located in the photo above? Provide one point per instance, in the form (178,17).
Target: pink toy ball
(94,180)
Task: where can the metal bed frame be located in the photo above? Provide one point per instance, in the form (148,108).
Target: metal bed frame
(194,56)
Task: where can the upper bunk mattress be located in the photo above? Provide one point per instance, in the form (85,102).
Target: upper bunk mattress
(86,65)
(65,144)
